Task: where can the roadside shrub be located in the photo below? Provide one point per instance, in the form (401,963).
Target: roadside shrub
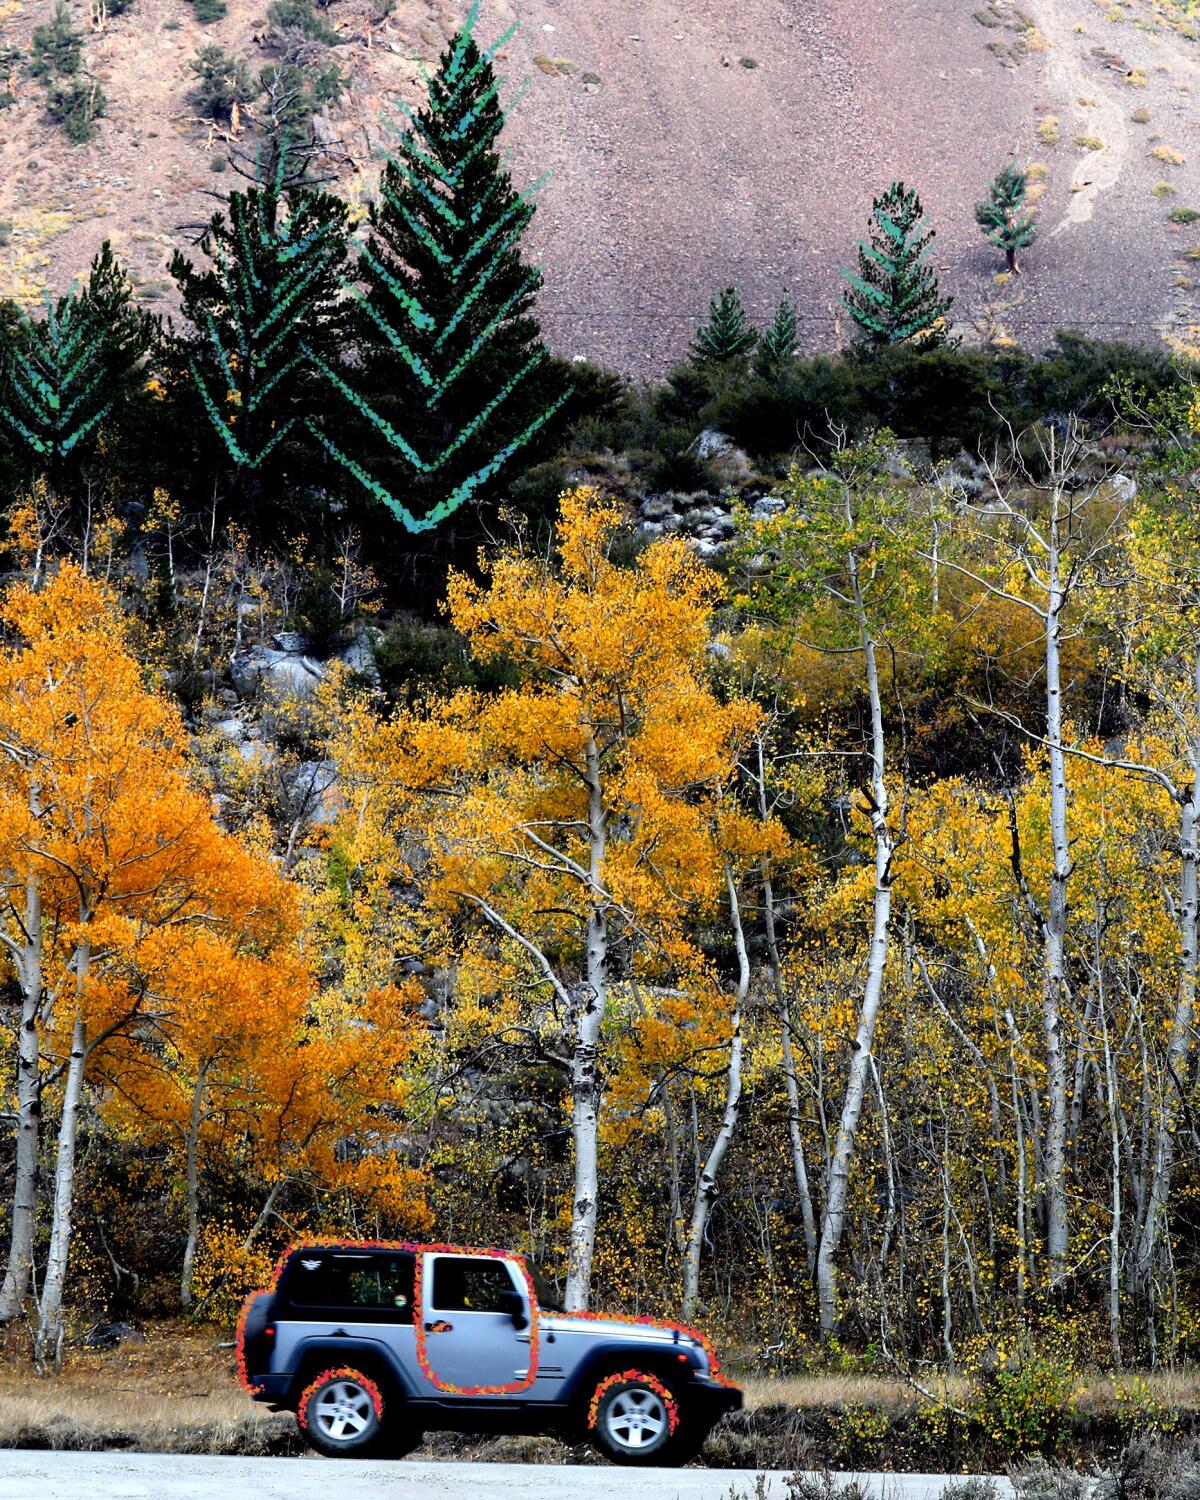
(1149,1469)
(1026,1408)
(1184,215)
(1038,1480)
(976,1487)
(1141,1410)
(824,1486)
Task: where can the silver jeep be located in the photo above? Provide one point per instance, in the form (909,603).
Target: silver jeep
(374,1345)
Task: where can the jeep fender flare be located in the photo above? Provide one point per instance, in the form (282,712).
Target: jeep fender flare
(372,1356)
(607,1358)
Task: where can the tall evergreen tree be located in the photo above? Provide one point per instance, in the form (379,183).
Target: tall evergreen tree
(454,381)
(1004,217)
(727,338)
(75,368)
(778,344)
(269,302)
(894,295)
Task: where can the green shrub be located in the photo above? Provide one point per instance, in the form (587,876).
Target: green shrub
(222,82)
(1039,1480)
(976,1487)
(1184,215)
(1026,1407)
(299,16)
(76,104)
(415,659)
(56,48)
(208,11)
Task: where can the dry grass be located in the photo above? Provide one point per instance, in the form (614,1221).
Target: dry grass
(823,1391)
(178,1392)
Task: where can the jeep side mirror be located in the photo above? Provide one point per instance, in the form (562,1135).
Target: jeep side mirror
(512,1304)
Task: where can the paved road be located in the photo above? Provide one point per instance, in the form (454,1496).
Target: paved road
(164,1476)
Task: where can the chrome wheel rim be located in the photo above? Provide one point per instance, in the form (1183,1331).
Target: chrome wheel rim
(342,1411)
(636,1419)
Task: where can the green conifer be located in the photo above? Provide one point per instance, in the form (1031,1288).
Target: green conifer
(455,381)
(222,82)
(56,47)
(777,347)
(727,338)
(66,373)
(270,293)
(894,295)
(1004,217)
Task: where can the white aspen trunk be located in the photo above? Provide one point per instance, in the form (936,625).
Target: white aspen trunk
(29,1108)
(585,1055)
(1054,927)
(48,1340)
(795,1138)
(1114,1244)
(833,1221)
(676,1209)
(1180,1041)
(706,1188)
(195,1120)
(1022,1185)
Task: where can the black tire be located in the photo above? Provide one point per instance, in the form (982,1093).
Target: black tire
(341,1414)
(639,1420)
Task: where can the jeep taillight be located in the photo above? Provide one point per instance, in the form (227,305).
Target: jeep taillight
(269,1331)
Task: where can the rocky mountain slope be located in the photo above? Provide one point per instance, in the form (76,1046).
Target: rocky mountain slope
(691,146)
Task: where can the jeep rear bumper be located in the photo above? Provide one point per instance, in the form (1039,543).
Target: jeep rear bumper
(271,1388)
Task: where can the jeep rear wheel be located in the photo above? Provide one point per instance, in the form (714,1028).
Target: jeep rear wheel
(634,1418)
(341,1413)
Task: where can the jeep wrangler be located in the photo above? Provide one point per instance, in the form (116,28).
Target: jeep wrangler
(373,1345)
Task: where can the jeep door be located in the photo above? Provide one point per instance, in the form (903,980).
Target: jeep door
(470,1337)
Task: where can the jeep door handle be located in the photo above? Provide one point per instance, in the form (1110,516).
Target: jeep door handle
(439,1327)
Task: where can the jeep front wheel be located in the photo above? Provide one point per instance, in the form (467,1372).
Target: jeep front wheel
(341,1413)
(633,1419)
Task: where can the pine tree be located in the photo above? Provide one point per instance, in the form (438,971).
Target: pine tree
(1004,217)
(455,380)
(68,371)
(727,338)
(894,295)
(270,296)
(56,47)
(777,347)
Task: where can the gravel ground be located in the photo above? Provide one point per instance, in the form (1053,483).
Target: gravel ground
(111,1476)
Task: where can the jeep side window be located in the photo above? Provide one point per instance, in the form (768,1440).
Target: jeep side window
(464,1283)
(382,1283)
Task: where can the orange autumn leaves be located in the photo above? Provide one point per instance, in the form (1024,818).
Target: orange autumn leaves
(482,802)
(178,947)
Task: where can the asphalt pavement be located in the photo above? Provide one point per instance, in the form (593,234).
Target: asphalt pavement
(41,1475)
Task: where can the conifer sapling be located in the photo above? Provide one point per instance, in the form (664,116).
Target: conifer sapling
(727,337)
(777,346)
(894,295)
(1004,217)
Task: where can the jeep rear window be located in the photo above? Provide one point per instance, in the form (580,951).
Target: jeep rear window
(382,1282)
(470,1284)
